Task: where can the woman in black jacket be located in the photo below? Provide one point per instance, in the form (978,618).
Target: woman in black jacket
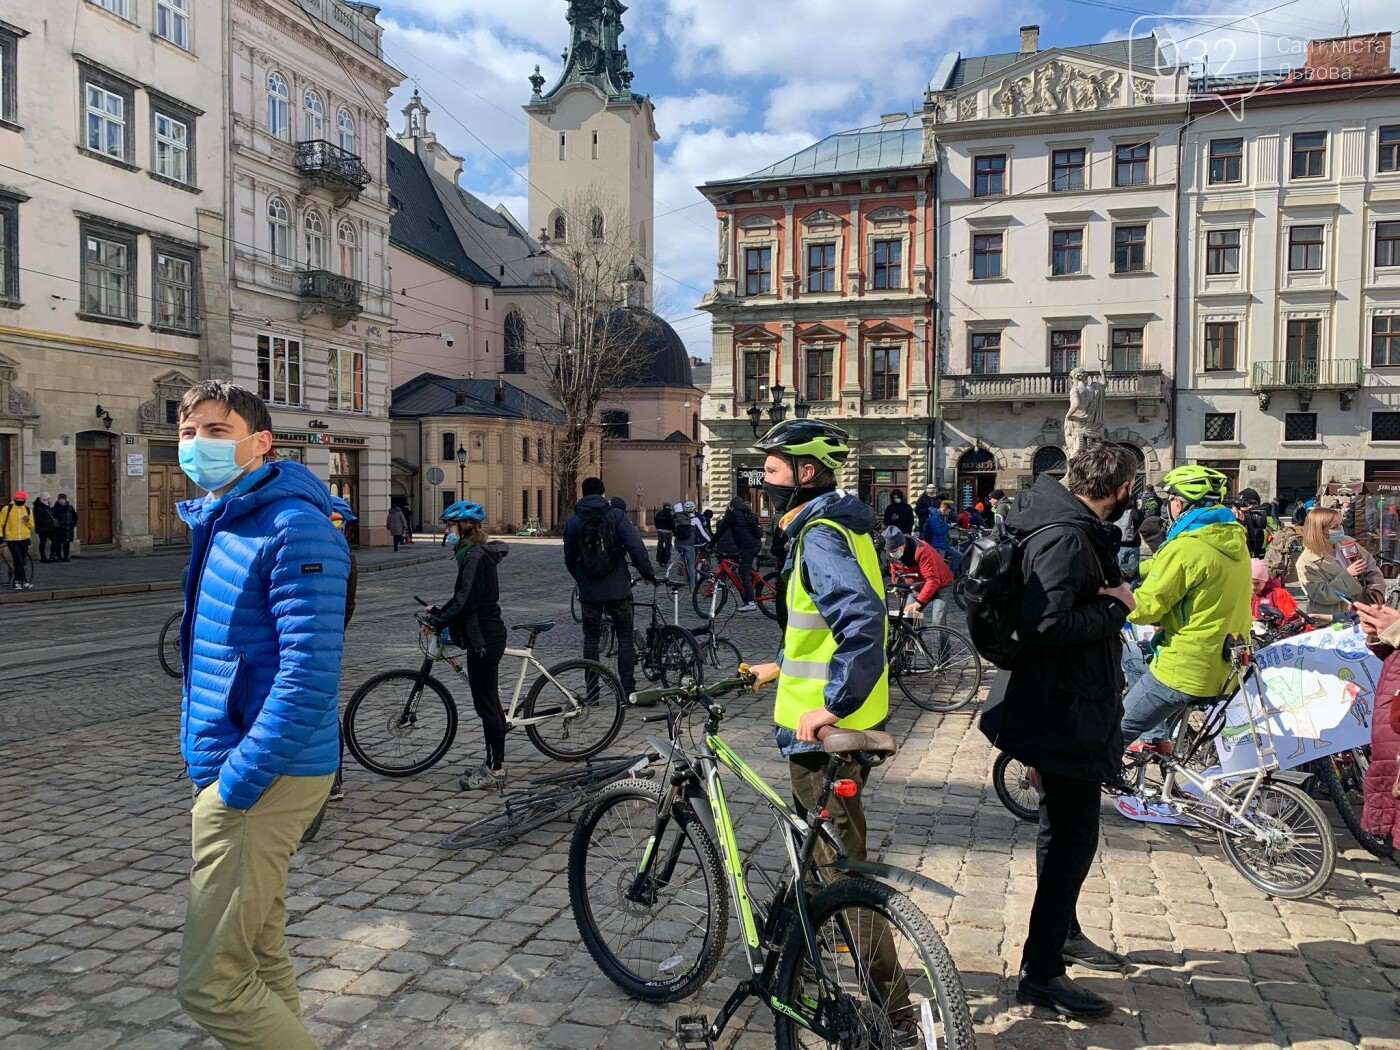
(473,621)
(738,536)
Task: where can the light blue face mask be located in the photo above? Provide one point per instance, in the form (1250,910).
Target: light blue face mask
(211,463)
(453,539)
(1335,536)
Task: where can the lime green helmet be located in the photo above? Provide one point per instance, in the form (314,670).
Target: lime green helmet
(829,445)
(1196,484)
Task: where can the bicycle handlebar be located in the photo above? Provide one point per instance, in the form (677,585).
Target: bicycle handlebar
(651,697)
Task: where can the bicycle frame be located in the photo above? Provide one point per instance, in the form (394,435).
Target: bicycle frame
(527,661)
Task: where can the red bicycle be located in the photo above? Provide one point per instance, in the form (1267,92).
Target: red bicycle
(712,590)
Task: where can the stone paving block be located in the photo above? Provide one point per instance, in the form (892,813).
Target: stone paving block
(346,1009)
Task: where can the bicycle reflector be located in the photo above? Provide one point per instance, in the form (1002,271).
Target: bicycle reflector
(845,788)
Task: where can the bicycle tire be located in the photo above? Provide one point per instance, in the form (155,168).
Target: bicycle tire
(678,656)
(519,817)
(639,801)
(169,653)
(728,662)
(700,595)
(960,592)
(1014,789)
(945,682)
(607,705)
(314,828)
(607,638)
(1344,788)
(1270,796)
(575,608)
(889,909)
(352,731)
(768,604)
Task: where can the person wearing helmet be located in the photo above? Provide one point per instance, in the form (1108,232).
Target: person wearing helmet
(690,534)
(473,621)
(1197,592)
(16,529)
(341,515)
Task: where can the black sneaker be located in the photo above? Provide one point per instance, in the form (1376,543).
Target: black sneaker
(1080,951)
(1064,997)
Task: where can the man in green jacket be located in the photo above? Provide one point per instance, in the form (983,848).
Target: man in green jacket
(1198,594)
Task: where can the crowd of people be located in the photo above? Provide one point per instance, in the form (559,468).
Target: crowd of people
(52,521)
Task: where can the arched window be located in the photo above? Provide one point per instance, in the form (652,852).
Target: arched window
(315,230)
(617,424)
(315,111)
(560,228)
(349,249)
(515,343)
(279,106)
(1140,481)
(449,446)
(279,228)
(345,130)
(695,426)
(595,226)
(1048,459)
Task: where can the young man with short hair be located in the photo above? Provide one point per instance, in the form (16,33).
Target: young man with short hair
(261,641)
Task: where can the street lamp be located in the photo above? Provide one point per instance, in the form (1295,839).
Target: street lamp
(461,472)
(699,460)
(755,415)
(802,409)
(777,411)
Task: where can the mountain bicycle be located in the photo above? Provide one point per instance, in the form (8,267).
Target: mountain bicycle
(168,647)
(934,666)
(712,590)
(717,653)
(572,711)
(833,951)
(666,652)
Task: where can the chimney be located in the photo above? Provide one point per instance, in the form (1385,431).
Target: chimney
(1347,57)
(461,399)
(500,393)
(1030,39)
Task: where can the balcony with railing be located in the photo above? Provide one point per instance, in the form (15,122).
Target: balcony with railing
(330,293)
(1142,384)
(1305,378)
(323,163)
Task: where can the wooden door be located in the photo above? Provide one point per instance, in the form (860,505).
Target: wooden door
(166,485)
(95,495)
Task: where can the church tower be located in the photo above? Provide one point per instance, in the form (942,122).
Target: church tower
(590,134)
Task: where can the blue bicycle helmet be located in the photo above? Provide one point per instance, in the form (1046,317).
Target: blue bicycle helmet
(342,507)
(465,510)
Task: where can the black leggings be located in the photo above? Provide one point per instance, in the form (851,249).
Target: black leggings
(482,674)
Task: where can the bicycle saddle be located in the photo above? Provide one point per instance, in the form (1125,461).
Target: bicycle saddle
(537,628)
(849,741)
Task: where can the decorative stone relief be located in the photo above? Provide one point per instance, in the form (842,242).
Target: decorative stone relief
(1144,92)
(1058,87)
(967,108)
(168,387)
(722,270)
(15,402)
(821,217)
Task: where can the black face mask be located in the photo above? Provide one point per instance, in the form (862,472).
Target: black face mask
(1120,507)
(782,498)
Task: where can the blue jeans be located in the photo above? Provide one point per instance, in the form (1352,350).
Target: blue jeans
(1128,562)
(1134,664)
(1148,706)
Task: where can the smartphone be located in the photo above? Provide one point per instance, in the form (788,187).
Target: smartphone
(1345,598)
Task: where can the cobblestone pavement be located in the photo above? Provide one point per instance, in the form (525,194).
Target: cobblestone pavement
(400,944)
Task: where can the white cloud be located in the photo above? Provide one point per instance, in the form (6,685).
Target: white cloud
(677,113)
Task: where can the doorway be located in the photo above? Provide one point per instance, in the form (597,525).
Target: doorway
(94,487)
(345,483)
(166,486)
(977,476)
(5,489)
(1229,467)
(1297,482)
(878,483)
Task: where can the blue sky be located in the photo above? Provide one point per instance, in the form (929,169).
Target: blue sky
(739,84)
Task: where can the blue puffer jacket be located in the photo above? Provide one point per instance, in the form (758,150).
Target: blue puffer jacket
(262,635)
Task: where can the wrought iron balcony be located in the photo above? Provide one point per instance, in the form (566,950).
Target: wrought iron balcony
(330,292)
(1306,378)
(1145,383)
(323,163)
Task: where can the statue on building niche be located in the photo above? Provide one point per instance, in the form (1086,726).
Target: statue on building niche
(1084,420)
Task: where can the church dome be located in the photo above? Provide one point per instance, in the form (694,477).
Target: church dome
(663,357)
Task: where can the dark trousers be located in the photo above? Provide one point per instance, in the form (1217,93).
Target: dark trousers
(397,540)
(663,546)
(745,560)
(20,559)
(1064,852)
(620,613)
(48,541)
(61,544)
(482,675)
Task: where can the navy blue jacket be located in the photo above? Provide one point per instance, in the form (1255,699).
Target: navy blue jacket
(262,635)
(617,584)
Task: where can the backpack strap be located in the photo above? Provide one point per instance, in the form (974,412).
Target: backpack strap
(1020,543)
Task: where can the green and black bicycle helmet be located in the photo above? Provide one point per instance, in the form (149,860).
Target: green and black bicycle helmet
(1197,485)
(829,445)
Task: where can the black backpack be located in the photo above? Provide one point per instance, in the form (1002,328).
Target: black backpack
(599,545)
(681,529)
(994,586)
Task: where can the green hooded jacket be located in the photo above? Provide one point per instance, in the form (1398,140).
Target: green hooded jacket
(1198,593)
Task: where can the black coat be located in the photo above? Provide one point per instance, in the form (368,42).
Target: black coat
(1063,708)
(901,516)
(65,518)
(923,507)
(665,518)
(44,522)
(473,615)
(617,584)
(738,530)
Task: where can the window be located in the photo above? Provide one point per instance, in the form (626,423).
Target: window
(345,130)
(563,147)
(1064,350)
(345,380)
(1226,161)
(1129,249)
(989,175)
(595,145)
(1303,340)
(755,375)
(1385,426)
(560,228)
(1066,252)
(279,106)
(173,22)
(109,274)
(1300,426)
(1388,244)
(1066,170)
(279,226)
(172,146)
(617,425)
(886,265)
(9,79)
(349,249)
(9,250)
(821,267)
(1304,248)
(1130,164)
(175,298)
(449,446)
(1127,350)
(1222,341)
(1222,251)
(986,256)
(314,111)
(819,364)
(524,450)
(986,353)
(121,8)
(315,233)
(1220,426)
(596,228)
(1385,341)
(279,369)
(884,373)
(106,120)
(1309,154)
(1388,148)
(758,271)
(514,343)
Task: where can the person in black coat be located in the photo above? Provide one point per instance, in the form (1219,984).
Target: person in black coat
(46,527)
(664,521)
(738,537)
(899,514)
(1062,708)
(65,519)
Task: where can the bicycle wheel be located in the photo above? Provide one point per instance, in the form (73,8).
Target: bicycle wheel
(940,670)
(581,704)
(766,594)
(1012,782)
(1298,853)
(894,977)
(960,592)
(169,647)
(314,828)
(575,609)
(1342,776)
(607,638)
(658,938)
(722,655)
(522,813)
(705,587)
(397,725)
(678,656)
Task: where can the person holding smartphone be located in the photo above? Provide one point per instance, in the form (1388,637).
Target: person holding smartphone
(1333,569)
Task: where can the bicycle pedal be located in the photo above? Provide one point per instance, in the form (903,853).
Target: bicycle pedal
(693,1033)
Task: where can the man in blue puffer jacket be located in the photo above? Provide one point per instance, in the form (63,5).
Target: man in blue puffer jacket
(262,637)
